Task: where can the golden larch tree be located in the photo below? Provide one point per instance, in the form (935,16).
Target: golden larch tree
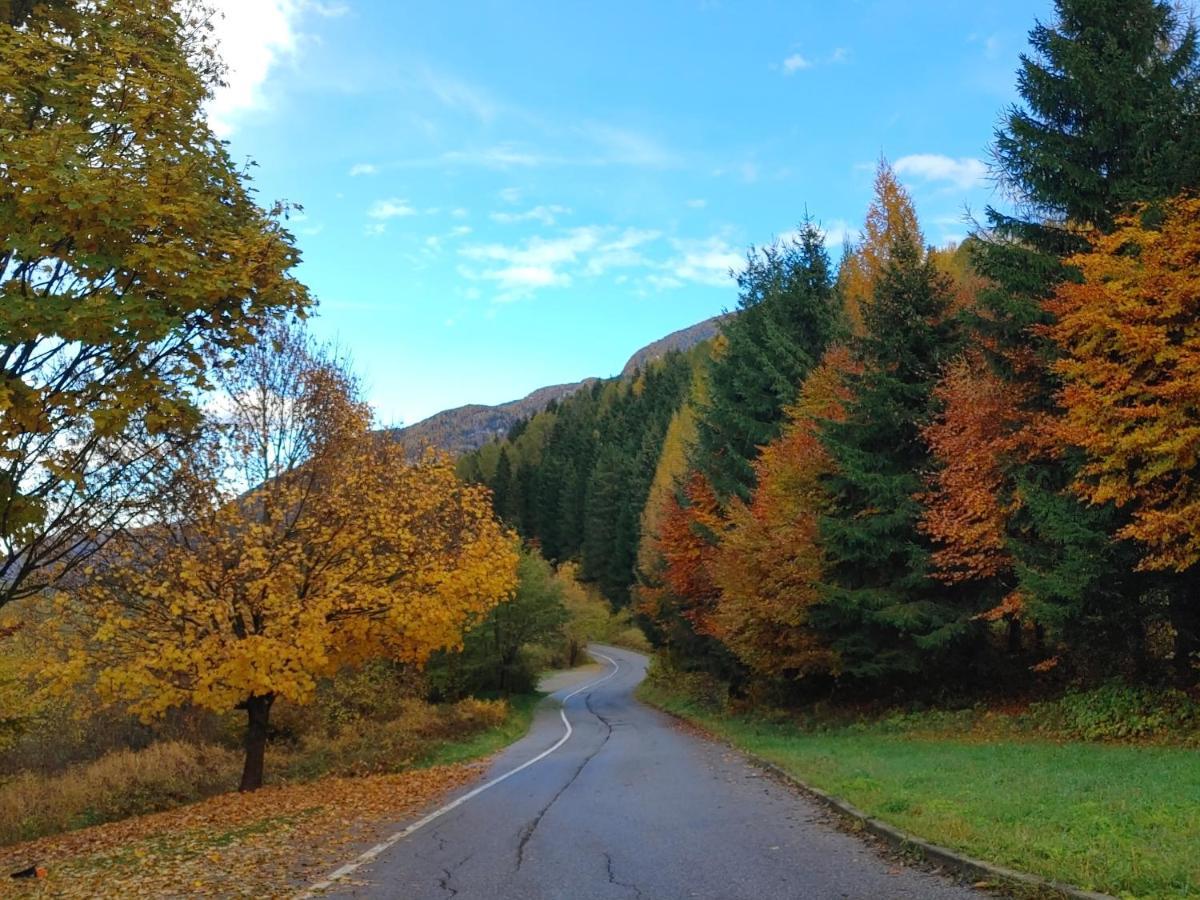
(1130,336)
(890,213)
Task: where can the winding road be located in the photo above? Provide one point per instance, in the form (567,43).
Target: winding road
(606,798)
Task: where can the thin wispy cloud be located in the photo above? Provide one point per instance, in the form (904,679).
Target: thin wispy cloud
(542,262)
(363,169)
(963,173)
(458,94)
(390,209)
(622,146)
(798,62)
(546,215)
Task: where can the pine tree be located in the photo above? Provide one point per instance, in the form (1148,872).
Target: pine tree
(788,313)
(879,607)
(502,484)
(1110,115)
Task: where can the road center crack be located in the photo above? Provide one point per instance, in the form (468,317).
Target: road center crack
(612,877)
(528,830)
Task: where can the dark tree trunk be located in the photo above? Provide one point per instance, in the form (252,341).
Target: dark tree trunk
(1014,635)
(258,714)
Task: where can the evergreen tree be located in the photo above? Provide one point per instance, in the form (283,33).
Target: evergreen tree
(1112,111)
(502,484)
(787,314)
(879,608)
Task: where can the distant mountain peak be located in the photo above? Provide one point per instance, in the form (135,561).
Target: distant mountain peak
(469,427)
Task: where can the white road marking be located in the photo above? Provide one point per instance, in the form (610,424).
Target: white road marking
(368,855)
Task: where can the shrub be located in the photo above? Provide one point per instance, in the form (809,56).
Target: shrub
(120,784)
(1115,712)
(373,747)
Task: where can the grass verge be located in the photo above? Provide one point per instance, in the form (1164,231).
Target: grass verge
(520,716)
(1123,820)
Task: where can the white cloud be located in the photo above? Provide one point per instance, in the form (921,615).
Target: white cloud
(501,156)
(664,282)
(697,203)
(963,173)
(798,62)
(328,10)
(547,215)
(707,261)
(374,229)
(795,63)
(390,209)
(251,38)
(541,262)
(520,279)
(363,169)
(511,195)
(459,213)
(837,233)
(620,252)
(460,230)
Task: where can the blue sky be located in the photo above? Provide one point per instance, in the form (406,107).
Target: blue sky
(500,195)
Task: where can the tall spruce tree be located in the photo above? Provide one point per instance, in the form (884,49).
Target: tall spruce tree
(1111,114)
(879,609)
(788,312)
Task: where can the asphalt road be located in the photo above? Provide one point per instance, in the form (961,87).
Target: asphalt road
(632,807)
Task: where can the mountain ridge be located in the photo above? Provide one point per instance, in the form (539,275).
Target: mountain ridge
(472,425)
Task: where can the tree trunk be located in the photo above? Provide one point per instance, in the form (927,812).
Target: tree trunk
(258,714)
(1014,635)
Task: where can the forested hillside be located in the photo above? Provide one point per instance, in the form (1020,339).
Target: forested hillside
(574,478)
(469,427)
(970,466)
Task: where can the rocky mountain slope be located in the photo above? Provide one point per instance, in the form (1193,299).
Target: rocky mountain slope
(470,427)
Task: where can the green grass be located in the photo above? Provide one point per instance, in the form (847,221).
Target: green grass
(520,715)
(1124,820)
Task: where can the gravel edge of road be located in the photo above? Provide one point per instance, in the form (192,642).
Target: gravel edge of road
(901,841)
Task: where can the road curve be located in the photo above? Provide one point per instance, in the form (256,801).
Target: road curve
(631,807)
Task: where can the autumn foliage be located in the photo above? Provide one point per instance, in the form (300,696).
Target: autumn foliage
(965,512)
(769,564)
(339,551)
(686,542)
(1130,337)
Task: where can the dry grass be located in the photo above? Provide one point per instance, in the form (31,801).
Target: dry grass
(168,774)
(119,784)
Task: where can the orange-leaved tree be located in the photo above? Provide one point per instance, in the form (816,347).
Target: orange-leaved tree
(1129,333)
(297,544)
(683,596)
(768,564)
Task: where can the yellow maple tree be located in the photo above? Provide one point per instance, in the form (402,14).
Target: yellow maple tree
(338,551)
